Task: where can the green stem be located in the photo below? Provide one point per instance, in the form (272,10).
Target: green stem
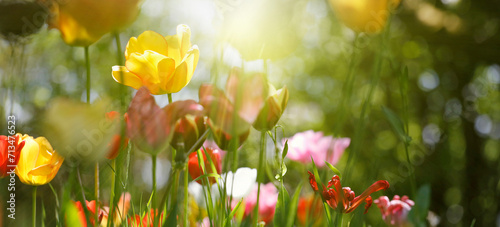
(186,181)
(169,98)
(259,175)
(112,196)
(347,89)
(358,136)
(96,192)
(340,217)
(87,65)
(154,191)
(34,206)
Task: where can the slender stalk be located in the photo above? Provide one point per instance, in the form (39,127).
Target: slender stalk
(34,206)
(358,136)
(155,220)
(186,181)
(259,175)
(87,65)
(112,196)
(169,98)
(340,217)
(96,192)
(96,169)
(347,89)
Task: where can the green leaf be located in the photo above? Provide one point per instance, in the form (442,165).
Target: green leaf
(281,207)
(396,124)
(172,217)
(215,175)
(233,212)
(418,214)
(71,214)
(285,150)
(292,207)
(335,170)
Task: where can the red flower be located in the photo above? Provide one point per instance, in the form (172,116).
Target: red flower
(194,167)
(9,143)
(343,198)
(114,144)
(121,211)
(309,209)
(147,220)
(91,208)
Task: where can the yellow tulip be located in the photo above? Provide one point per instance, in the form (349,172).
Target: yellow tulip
(162,64)
(38,163)
(83,22)
(369,16)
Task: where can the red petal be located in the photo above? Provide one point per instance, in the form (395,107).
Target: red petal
(312,182)
(379,185)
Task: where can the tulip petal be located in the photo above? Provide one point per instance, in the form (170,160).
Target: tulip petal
(179,79)
(179,44)
(129,79)
(28,158)
(42,170)
(146,67)
(379,185)
(148,40)
(44,152)
(191,59)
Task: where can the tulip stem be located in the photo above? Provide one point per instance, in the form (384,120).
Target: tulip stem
(259,175)
(153,157)
(186,181)
(96,191)
(112,196)
(339,219)
(169,98)
(87,65)
(34,206)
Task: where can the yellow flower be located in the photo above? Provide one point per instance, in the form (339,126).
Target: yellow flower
(367,16)
(38,163)
(83,22)
(162,64)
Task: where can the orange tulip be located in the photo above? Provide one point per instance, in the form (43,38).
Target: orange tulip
(364,15)
(83,22)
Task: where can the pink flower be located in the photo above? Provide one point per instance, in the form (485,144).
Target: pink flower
(395,212)
(302,146)
(267,201)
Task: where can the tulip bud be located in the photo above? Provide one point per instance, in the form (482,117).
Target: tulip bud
(148,125)
(188,131)
(190,125)
(194,167)
(273,109)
